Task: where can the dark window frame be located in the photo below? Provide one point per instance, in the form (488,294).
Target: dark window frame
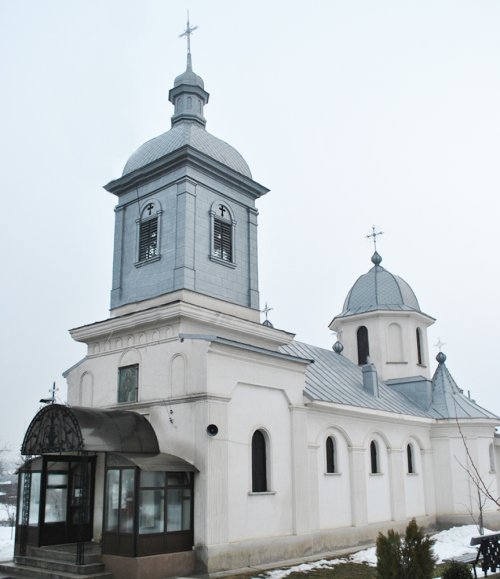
(363,344)
(122,396)
(259,462)
(410,458)
(222,235)
(374,458)
(420,351)
(331,455)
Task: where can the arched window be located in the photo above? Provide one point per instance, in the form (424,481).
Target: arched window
(259,462)
(331,455)
(420,359)
(395,343)
(189,103)
(374,457)
(363,345)
(492,458)
(222,234)
(410,459)
(149,233)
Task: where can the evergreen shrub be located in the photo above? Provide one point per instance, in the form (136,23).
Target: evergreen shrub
(456,570)
(410,557)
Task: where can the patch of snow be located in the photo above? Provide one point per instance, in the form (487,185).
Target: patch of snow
(6,543)
(450,543)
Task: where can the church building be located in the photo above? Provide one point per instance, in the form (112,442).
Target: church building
(197,438)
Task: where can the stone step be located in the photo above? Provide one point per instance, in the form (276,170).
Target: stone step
(16,571)
(65,566)
(65,553)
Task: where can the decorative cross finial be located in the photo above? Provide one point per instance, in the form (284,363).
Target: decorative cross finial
(439,345)
(266,310)
(52,399)
(187,33)
(374,234)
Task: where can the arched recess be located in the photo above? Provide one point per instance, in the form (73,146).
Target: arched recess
(334,488)
(178,375)
(413,478)
(395,343)
(363,345)
(492,458)
(87,389)
(378,478)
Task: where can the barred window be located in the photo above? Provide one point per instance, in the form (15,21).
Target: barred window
(223,243)
(222,234)
(148,233)
(148,239)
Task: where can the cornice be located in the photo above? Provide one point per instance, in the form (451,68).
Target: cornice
(190,156)
(176,311)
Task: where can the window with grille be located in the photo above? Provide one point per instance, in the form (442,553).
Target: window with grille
(223,224)
(148,239)
(223,240)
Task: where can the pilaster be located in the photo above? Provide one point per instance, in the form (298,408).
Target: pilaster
(358,486)
(185,240)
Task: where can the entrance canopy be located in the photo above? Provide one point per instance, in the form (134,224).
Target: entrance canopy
(59,428)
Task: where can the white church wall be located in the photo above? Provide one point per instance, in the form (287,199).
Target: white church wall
(414,482)
(256,515)
(334,489)
(378,483)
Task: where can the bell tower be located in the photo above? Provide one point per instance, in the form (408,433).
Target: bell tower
(186,221)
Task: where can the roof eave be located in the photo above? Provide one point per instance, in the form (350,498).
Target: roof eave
(194,158)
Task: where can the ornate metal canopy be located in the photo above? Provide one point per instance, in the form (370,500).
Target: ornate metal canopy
(58,428)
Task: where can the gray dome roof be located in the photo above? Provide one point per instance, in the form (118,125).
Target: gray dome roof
(379,290)
(182,134)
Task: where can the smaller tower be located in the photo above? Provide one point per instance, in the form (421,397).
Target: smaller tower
(382,323)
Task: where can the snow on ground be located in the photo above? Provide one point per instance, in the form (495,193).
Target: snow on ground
(450,543)
(6,543)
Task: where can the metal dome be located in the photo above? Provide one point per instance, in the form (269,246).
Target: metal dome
(182,134)
(379,290)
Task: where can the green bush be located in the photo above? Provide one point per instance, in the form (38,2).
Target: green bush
(455,570)
(408,558)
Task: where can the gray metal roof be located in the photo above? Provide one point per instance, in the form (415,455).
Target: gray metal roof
(334,378)
(187,133)
(448,400)
(379,290)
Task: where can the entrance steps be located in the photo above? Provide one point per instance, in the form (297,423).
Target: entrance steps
(56,562)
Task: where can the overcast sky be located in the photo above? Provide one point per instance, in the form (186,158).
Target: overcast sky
(353,113)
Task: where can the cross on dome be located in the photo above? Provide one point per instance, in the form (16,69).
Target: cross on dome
(187,33)
(374,235)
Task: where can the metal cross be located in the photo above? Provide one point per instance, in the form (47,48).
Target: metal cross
(266,310)
(52,399)
(439,345)
(149,208)
(187,33)
(222,210)
(374,234)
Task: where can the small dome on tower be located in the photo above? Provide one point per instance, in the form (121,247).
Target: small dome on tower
(379,290)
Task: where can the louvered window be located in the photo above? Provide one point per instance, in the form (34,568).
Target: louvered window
(148,239)
(223,240)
